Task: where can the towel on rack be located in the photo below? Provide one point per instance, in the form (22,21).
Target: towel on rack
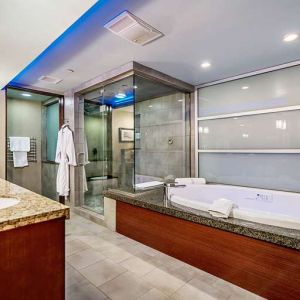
(19,147)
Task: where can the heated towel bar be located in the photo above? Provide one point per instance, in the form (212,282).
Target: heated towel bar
(31,155)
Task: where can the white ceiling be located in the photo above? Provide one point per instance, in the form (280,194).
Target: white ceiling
(236,36)
(27,27)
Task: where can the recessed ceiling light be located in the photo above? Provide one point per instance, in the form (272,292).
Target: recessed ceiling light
(150,106)
(26,95)
(180,100)
(135,86)
(205,65)
(290,37)
(245,87)
(120,95)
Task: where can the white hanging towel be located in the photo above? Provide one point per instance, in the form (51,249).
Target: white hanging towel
(65,156)
(19,147)
(221,208)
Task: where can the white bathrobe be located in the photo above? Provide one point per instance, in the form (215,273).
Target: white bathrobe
(65,156)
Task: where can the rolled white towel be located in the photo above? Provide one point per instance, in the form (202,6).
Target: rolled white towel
(198,181)
(221,208)
(190,180)
(149,184)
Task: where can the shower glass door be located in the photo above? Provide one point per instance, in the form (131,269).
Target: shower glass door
(96,119)
(109,135)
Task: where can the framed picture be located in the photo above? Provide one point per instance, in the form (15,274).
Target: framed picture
(126,135)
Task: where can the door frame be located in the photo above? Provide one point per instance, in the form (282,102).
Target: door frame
(61,103)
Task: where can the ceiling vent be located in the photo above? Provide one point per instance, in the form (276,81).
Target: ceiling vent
(50,79)
(133,29)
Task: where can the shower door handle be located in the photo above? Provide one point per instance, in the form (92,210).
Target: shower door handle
(80,161)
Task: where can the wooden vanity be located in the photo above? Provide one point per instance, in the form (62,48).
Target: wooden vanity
(32,246)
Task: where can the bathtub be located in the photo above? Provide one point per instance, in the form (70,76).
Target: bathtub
(257,205)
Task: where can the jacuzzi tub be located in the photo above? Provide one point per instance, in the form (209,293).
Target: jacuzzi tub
(257,205)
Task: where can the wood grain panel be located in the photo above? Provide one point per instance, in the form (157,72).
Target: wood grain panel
(266,269)
(32,262)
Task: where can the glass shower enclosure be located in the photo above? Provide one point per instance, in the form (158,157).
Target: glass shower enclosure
(136,130)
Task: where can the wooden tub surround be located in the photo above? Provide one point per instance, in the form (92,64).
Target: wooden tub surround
(266,269)
(32,246)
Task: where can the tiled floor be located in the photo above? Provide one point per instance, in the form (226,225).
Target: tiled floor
(102,264)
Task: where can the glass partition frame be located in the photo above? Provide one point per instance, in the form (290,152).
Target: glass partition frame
(281,125)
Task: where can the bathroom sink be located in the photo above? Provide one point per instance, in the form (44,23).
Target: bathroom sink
(7,202)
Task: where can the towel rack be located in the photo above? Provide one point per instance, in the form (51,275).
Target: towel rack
(31,155)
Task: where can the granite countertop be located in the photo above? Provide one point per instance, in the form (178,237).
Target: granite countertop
(32,208)
(153,200)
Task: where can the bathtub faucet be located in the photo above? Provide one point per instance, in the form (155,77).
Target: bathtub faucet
(167,187)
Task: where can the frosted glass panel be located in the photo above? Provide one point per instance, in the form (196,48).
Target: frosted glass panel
(267,131)
(52,127)
(270,171)
(274,89)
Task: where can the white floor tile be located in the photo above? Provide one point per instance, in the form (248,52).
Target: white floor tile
(163,281)
(102,272)
(137,266)
(84,258)
(154,294)
(125,287)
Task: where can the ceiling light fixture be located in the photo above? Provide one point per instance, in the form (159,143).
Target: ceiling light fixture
(205,65)
(245,87)
(26,95)
(120,95)
(290,37)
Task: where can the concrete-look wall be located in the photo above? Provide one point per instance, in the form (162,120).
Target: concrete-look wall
(161,149)
(49,173)
(122,118)
(2,133)
(24,119)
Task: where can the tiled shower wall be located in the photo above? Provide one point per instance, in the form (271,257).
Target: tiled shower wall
(161,144)
(49,171)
